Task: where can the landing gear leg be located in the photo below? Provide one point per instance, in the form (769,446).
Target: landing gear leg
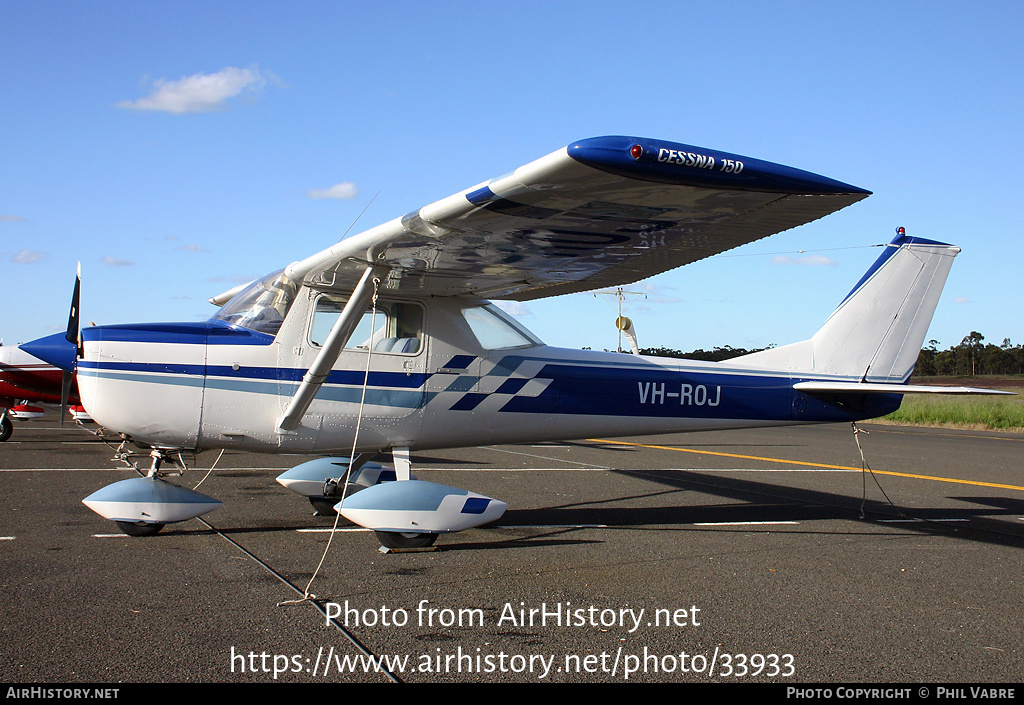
(158,457)
(334,487)
(6,427)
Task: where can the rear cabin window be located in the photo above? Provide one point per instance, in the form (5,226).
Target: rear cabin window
(394,328)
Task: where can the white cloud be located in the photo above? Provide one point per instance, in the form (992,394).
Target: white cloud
(808,261)
(112,261)
(235,279)
(192,247)
(654,294)
(514,308)
(28,257)
(962,300)
(12,219)
(199,93)
(344,191)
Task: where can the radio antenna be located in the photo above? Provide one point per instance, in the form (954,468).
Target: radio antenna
(359,216)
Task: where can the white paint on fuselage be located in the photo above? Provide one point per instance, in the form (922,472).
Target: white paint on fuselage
(246,389)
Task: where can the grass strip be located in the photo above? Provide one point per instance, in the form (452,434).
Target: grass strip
(978,413)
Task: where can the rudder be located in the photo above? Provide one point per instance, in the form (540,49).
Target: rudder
(876,333)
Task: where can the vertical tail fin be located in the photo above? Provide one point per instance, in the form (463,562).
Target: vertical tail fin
(875,334)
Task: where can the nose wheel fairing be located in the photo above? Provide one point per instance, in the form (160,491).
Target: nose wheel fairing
(142,506)
(148,500)
(405,513)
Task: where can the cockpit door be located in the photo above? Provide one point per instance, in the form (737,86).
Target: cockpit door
(389,341)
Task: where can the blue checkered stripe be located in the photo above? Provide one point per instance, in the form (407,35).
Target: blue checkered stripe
(511,377)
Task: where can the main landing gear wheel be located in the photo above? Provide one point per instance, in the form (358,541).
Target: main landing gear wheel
(323,506)
(139,528)
(396,539)
(6,429)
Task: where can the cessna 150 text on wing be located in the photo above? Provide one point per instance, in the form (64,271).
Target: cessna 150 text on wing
(386,341)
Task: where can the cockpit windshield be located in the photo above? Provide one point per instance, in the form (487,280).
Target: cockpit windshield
(262,305)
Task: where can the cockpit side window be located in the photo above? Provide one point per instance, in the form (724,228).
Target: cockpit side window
(395,327)
(496,330)
(261,306)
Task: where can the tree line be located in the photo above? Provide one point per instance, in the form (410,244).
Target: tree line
(972,356)
(713,355)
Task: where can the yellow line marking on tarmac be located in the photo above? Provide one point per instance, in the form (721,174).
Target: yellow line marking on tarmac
(1008,435)
(805,462)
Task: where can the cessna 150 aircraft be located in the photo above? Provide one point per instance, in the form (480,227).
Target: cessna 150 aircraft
(25,378)
(386,341)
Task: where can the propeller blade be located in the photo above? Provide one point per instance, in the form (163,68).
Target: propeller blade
(74,323)
(65,392)
(73,317)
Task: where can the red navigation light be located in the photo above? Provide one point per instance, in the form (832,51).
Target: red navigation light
(901,231)
(636,151)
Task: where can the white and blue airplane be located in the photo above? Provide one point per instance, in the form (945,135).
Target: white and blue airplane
(387,340)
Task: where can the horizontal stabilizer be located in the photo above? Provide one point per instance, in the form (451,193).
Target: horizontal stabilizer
(881,388)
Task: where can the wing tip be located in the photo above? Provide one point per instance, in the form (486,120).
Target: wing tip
(672,162)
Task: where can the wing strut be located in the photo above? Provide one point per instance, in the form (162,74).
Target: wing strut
(329,353)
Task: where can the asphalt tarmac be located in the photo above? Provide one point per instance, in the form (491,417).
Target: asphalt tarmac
(741,556)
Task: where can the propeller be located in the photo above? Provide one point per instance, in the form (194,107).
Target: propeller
(74,323)
(62,349)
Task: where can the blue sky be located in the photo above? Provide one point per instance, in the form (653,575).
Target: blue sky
(177,149)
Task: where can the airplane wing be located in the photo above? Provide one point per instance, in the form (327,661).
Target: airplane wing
(601,212)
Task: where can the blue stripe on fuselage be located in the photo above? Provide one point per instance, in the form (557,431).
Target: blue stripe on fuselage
(401,380)
(198,333)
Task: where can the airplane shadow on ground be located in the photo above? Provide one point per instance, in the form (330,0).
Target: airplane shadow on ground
(994,520)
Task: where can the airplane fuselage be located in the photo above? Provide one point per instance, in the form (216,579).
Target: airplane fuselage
(27,378)
(444,372)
